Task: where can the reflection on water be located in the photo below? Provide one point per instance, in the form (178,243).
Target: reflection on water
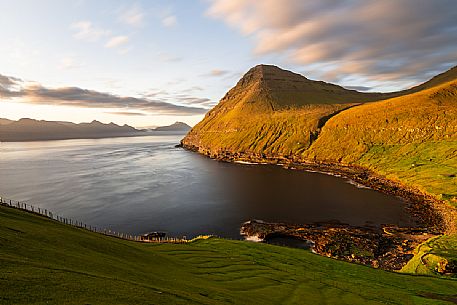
(141,184)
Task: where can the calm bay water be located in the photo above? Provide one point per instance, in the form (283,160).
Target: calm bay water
(141,184)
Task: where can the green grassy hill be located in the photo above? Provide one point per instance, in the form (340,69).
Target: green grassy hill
(276,113)
(280,113)
(272,111)
(46,262)
(408,136)
(412,138)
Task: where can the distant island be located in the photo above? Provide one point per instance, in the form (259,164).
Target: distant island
(38,130)
(175,127)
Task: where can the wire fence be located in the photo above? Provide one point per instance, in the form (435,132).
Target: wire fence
(148,238)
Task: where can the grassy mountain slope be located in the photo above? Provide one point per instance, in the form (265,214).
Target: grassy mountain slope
(276,113)
(437,80)
(412,138)
(408,136)
(272,111)
(45,262)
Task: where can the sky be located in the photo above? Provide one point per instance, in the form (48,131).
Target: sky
(151,63)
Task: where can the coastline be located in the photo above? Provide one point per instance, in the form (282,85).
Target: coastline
(389,247)
(434,214)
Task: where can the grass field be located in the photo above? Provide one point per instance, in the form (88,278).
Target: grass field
(412,139)
(431,254)
(45,262)
(429,166)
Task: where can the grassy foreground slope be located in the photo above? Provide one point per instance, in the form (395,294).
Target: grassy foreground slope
(434,255)
(45,262)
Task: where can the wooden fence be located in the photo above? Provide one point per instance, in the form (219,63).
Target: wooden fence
(79,224)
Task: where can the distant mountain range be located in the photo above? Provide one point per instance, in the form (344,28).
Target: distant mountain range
(38,130)
(35,130)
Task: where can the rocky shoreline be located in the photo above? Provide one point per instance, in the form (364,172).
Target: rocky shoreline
(388,247)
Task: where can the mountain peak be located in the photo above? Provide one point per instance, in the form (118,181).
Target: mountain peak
(265,72)
(268,87)
(264,68)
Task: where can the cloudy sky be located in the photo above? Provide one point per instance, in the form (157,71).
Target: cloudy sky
(149,63)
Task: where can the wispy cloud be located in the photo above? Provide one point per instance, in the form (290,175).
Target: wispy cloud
(117,41)
(78,97)
(381,40)
(183,97)
(85,30)
(168,57)
(217,72)
(133,16)
(7,82)
(358,88)
(169,21)
(128,113)
(68,63)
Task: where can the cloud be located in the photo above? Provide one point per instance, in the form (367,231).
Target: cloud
(84,30)
(169,21)
(128,113)
(78,97)
(167,57)
(183,97)
(117,41)
(68,63)
(376,40)
(217,72)
(358,88)
(9,86)
(8,81)
(133,16)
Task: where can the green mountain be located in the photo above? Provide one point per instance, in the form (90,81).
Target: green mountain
(412,138)
(408,137)
(279,113)
(273,113)
(270,110)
